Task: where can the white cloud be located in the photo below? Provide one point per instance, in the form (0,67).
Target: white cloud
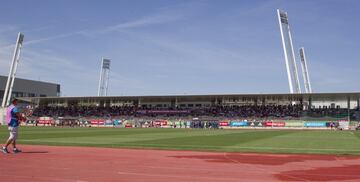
(157,19)
(197,54)
(144,21)
(38,63)
(149,20)
(35,41)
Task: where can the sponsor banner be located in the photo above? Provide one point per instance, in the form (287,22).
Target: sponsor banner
(44,120)
(163,111)
(223,123)
(256,124)
(275,124)
(161,122)
(295,124)
(97,122)
(238,123)
(109,122)
(315,124)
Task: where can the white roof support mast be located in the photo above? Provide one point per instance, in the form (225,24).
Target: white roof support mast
(12,73)
(104,77)
(290,61)
(305,71)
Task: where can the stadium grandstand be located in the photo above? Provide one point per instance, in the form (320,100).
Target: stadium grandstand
(295,109)
(313,110)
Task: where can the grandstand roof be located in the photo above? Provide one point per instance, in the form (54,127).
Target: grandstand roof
(198,98)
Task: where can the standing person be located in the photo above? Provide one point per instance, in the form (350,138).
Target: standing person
(13,118)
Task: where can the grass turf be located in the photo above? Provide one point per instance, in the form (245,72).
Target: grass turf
(267,141)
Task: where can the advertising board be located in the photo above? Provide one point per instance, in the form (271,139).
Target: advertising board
(275,124)
(293,123)
(315,124)
(97,122)
(223,123)
(238,123)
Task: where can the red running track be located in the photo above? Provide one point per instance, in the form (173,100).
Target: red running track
(86,164)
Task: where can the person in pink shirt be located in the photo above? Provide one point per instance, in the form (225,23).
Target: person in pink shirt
(13,119)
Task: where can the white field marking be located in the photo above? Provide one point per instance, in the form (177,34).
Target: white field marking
(261,169)
(183,176)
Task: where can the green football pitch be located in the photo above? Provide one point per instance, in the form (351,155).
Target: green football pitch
(262,141)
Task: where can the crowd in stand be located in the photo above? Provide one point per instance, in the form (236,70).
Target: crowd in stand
(330,112)
(84,111)
(277,111)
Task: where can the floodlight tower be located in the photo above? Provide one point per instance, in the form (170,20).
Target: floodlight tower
(305,71)
(104,77)
(290,61)
(12,72)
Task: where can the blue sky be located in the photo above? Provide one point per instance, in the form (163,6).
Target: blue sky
(165,47)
